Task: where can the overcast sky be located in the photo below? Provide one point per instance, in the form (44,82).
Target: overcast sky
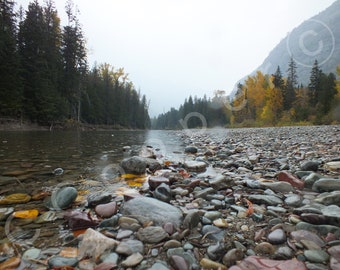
(176,48)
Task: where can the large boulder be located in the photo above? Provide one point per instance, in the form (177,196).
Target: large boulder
(138,165)
(146,209)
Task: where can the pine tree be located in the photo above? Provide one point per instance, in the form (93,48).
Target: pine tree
(314,84)
(74,62)
(10,80)
(327,92)
(277,79)
(292,82)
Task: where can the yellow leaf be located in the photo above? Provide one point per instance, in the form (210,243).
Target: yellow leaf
(33,213)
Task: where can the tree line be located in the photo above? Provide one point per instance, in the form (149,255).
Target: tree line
(264,100)
(45,77)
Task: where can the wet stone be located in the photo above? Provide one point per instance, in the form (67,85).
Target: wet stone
(63,198)
(293,200)
(195,166)
(98,198)
(316,256)
(134,165)
(155,181)
(62,261)
(163,193)
(179,263)
(284,253)
(232,256)
(133,260)
(210,264)
(130,246)
(309,166)
(106,210)
(159,266)
(94,244)
(307,235)
(288,177)
(31,254)
(283,187)
(151,234)
(215,251)
(148,209)
(79,220)
(328,198)
(191,220)
(277,237)
(326,184)
(321,229)
(259,263)
(213,232)
(332,166)
(124,234)
(311,179)
(264,248)
(109,258)
(187,255)
(265,199)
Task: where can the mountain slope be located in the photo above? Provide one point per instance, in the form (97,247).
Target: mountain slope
(315,39)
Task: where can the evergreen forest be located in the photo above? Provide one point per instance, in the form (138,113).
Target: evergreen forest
(264,100)
(45,77)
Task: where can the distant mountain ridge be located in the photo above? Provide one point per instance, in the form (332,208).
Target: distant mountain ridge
(317,38)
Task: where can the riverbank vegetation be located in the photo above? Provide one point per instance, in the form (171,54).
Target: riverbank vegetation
(263,100)
(45,77)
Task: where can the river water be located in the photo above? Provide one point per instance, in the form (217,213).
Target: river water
(32,156)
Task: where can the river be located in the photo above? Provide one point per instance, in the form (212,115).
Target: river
(32,156)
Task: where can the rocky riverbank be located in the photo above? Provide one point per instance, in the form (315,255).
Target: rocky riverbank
(247,199)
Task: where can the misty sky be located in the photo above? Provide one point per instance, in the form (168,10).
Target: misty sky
(176,48)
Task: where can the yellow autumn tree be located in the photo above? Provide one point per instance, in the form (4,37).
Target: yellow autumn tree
(273,107)
(256,92)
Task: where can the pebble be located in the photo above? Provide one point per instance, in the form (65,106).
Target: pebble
(56,261)
(291,179)
(209,264)
(132,260)
(232,256)
(106,210)
(63,198)
(316,256)
(326,184)
(264,248)
(130,246)
(152,234)
(149,209)
(265,263)
(277,237)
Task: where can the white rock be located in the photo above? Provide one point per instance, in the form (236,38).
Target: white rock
(95,244)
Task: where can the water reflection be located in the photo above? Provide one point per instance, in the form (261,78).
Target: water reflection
(34,155)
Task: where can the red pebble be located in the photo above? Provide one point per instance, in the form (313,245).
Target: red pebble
(291,179)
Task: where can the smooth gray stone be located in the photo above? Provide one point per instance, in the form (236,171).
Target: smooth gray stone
(316,256)
(321,229)
(326,184)
(62,261)
(146,209)
(265,199)
(328,198)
